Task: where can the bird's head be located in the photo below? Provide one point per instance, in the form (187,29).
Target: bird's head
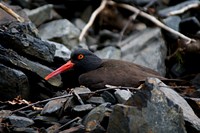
(81,59)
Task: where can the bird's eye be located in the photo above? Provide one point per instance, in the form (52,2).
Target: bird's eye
(80,56)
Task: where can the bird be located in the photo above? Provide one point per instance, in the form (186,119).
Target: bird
(95,73)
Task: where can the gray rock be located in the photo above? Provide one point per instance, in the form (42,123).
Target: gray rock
(75,129)
(122,95)
(174,97)
(83,108)
(172,22)
(96,116)
(39,119)
(13,83)
(61,31)
(146,48)
(25,130)
(96,100)
(109,52)
(28,45)
(40,14)
(12,58)
(83,92)
(18,121)
(147,111)
(54,107)
(79,23)
(108,97)
(61,50)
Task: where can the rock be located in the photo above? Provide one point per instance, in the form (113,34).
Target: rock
(170,10)
(95,117)
(25,130)
(76,129)
(83,92)
(96,100)
(45,121)
(61,31)
(146,111)
(175,98)
(40,14)
(26,44)
(109,52)
(186,28)
(79,23)
(196,81)
(19,121)
(30,68)
(122,95)
(172,22)
(53,128)
(83,108)
(150,51)
(54,107)
(4,114)
(62,52)
(108,97)
(13,83)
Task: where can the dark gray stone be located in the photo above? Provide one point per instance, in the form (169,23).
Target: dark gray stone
(18,121)
(40,14)
(109,52)
(61,31)
(146,48)
(54,107)
(172,22)
(13,83)
(189,25)
(96,100)
(10,57)
(25,130)
(174,97)
(108,97)
(83,108)
(147,111)
(96,116)
(27,45)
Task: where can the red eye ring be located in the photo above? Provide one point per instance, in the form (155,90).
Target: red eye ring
(80,56)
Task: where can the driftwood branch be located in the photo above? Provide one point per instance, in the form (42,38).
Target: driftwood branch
(152,19)
(11,12)
(136,11)
(92,18)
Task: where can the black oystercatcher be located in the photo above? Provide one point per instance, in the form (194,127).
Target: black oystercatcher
(95,73)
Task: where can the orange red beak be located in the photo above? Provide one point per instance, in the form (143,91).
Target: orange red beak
(61,69)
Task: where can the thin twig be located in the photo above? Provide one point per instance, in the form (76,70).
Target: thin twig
(92,18)
(46,100)
(12,13)
(68,95)
(78,97)
(151,18)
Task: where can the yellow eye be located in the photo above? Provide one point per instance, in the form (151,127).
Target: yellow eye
(80,56)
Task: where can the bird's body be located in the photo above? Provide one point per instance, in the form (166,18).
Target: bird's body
(95,73)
